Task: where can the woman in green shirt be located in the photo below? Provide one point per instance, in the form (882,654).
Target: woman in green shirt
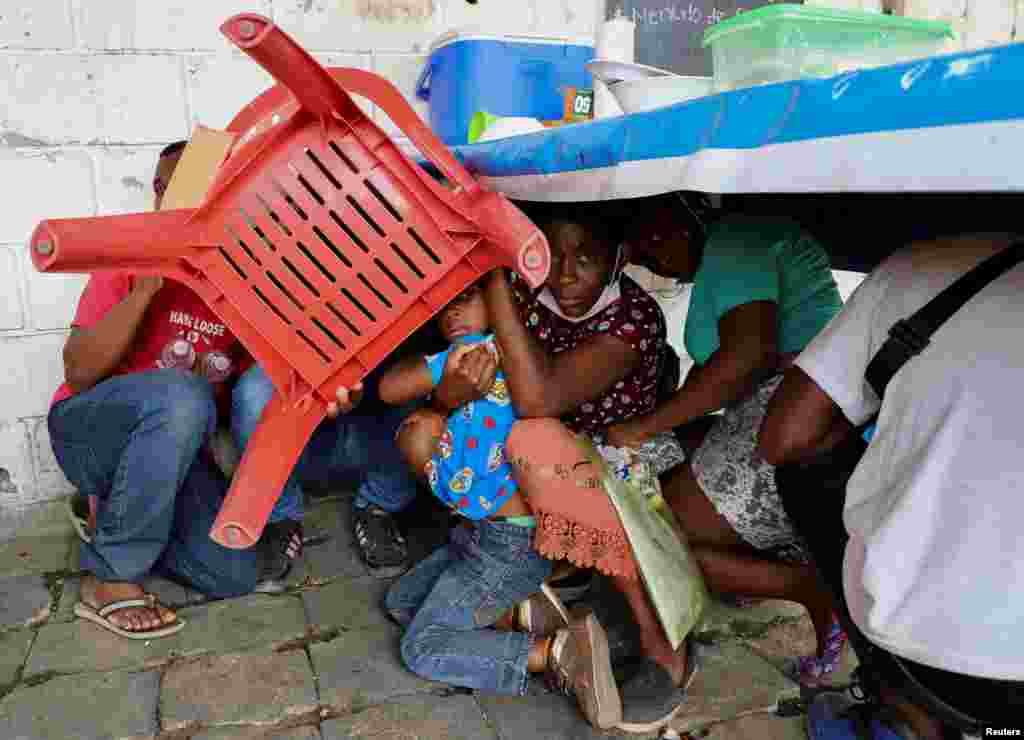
(762,288)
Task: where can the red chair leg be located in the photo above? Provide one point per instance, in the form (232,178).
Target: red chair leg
(274,448)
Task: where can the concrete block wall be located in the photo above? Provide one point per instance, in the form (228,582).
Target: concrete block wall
(90,90)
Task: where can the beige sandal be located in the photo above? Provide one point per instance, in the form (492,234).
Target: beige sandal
(99,616)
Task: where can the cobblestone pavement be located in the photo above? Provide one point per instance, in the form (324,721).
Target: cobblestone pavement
(321,661)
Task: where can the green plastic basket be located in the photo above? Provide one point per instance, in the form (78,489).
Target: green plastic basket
(785,42)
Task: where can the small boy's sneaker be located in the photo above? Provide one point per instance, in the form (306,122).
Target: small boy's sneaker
(380,542)
(279,547)
(579,664)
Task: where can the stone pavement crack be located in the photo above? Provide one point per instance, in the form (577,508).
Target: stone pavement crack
(156,709)
(11,685)
(488,722)
(55,584)
(316,636)
(38,679)
(7,688)
(316,678)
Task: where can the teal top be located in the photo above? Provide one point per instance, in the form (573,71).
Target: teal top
(750,259)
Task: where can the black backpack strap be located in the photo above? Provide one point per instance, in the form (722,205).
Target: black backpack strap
(908,337)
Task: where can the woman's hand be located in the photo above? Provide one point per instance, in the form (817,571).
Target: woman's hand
(347,399)
(468,375)
(632,433)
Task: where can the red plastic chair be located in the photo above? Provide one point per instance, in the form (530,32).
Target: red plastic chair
(319,244)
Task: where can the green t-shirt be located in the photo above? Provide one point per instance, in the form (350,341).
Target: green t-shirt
(750,259)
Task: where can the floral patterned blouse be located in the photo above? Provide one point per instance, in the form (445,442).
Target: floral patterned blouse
(637,319)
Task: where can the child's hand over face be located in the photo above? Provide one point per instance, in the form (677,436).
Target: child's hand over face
(468,375)
(480,365)
(491,346)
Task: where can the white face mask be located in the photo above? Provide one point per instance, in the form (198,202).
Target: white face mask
(611,293)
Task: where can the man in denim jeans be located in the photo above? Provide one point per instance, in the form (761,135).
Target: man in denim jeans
(360,443)
(129,426)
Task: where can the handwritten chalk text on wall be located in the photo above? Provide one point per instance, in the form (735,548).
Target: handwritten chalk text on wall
(682,12)
(677,13)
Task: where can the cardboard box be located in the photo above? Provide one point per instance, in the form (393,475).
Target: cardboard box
(203,155)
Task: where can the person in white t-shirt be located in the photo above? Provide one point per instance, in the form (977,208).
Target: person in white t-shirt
(933,571)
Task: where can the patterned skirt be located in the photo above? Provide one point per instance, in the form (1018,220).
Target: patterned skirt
(741,485)
(576,521)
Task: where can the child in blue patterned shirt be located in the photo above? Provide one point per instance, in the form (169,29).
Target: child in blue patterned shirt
(476,611)
(463,456)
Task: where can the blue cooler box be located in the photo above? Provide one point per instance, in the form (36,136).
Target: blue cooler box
(503,75)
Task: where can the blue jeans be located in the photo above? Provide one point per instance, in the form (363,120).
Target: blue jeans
(135,441)
(361,444)
(451,600)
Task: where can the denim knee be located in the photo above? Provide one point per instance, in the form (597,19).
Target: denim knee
(401,616)
(240,581)
(398,612)
(186,406)
(390,602)
(251,394)
(416,653)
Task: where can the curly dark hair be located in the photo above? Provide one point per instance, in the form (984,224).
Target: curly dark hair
(603,220)
(609,220)
(693,208)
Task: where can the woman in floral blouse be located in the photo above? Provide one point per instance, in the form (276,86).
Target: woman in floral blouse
(581,355)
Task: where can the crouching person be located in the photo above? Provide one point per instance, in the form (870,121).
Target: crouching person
(474,611)
(922,546)
(144,365)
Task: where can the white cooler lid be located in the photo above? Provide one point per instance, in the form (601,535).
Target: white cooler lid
(472,33)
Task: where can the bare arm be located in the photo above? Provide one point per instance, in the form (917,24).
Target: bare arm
(91,355)
(747,350)
(801,421)
(546,385)
(406,381)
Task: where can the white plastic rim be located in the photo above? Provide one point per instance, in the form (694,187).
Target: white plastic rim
(610,71)
(474,34)
(637,96)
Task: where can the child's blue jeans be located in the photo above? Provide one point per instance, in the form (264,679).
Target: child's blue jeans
(451,600)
